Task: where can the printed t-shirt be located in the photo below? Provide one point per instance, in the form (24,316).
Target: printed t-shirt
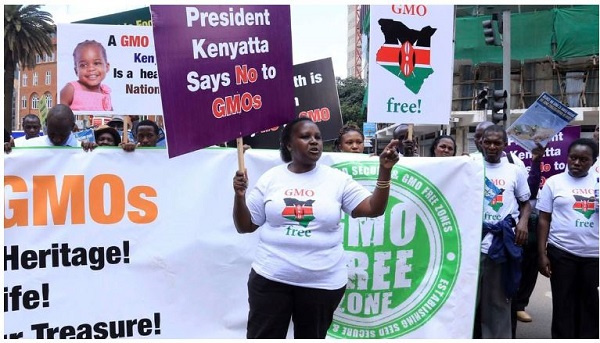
(574,220)
(300,239)
(511,183)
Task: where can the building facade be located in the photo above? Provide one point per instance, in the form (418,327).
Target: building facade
(34,86)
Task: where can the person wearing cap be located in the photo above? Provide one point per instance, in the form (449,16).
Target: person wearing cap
(116,122)
(104,136)
(107,136)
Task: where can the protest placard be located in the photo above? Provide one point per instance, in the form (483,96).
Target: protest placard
(410,64)
(316,97)
(555,156)
(225,71)
(107,69)
(540,122)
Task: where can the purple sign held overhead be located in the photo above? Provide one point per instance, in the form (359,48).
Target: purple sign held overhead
(555,158)
(224,71)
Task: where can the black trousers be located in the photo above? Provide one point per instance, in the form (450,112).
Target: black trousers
(273,304)
(529,275)
(574,284)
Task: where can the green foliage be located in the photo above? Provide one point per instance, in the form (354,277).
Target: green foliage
(43,110)
(27,33)
(351,92)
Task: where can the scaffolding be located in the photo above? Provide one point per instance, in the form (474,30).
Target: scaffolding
(358,39)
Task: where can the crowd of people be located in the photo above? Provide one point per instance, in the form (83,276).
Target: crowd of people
(61,126)
(513,249)
(299,271)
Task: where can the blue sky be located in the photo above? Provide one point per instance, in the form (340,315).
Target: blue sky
(318,31)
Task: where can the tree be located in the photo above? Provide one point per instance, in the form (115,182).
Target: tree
(27,33)
(351,92)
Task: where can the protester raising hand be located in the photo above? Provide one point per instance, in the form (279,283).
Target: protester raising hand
(300,255)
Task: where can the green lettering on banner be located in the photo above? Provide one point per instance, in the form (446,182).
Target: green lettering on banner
(402,265)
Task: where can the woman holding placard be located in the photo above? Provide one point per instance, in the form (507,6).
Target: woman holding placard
(299,270)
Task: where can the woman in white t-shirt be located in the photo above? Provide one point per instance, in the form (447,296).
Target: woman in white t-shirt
(299,270)
(568,243)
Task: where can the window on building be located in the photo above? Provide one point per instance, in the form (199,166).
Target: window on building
(35,102)
(48,100)
(34,82)
(23,102)
(51,57)
(48,77)
(24,80)
(38,59)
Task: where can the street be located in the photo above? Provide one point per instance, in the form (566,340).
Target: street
(540,309)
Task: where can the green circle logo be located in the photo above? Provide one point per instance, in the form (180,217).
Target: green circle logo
(403,265)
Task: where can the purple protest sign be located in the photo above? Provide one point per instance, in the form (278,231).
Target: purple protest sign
(224,71)
(555,157)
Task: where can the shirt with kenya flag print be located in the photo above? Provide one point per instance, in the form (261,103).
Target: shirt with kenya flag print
(300,236)
(510,183)
(574,219)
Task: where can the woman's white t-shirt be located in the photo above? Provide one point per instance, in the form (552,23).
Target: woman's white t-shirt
(300,240)
(574,220)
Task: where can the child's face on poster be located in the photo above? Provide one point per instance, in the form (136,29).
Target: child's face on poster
(90,66)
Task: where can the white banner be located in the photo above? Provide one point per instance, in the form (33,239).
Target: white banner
(411,59)
(109,244)
(130,73)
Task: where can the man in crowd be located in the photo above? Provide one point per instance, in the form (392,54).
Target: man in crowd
(31,125)
(506,208)
(59,126)
(116,122)
(408,148)
(59,122)
(146,136)
(529,261)
(477,140)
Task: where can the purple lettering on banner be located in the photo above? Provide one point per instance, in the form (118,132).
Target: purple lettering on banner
(224,71)
(555,158)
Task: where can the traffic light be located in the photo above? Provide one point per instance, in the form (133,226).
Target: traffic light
(497,104)
(482,99)
(491,31)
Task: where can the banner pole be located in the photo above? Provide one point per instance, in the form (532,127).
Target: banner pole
(126,123)
(240,153)
(410,132)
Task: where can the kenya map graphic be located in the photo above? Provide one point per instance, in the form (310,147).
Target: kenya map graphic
(406,52)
